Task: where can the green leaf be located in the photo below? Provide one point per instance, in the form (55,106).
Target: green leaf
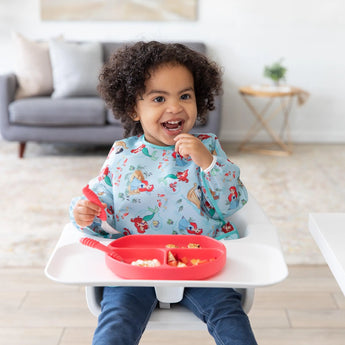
(276,71)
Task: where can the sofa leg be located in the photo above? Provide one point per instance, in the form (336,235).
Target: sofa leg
(21,149)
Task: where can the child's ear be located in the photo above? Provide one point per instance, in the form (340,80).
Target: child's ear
(135,117)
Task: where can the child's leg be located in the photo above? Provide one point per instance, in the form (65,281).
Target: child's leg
(222,311)
(125,313)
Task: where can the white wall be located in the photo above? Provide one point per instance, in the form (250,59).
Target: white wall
(243,36)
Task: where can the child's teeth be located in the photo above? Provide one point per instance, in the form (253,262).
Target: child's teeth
(172,125)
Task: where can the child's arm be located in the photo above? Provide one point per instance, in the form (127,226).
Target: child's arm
(188,145)
(83,213)
(223,191)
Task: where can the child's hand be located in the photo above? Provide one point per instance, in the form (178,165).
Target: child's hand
(188,145)
(85,211)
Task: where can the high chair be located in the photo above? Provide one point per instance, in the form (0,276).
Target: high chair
(254,260)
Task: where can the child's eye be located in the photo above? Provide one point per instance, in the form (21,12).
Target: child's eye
(186,96)
(159,99)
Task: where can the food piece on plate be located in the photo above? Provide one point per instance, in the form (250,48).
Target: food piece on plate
(171,259)
(146,263)
(181,264)
(190,245)
(184,260)
(193,245)
(196,262)
(171,246)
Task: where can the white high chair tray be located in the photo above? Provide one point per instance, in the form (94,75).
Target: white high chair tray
(253,261)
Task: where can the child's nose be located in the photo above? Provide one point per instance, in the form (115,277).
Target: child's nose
(174,106)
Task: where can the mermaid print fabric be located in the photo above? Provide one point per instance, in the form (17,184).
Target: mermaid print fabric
(151,189)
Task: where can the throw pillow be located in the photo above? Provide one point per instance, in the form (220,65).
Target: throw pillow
(32,67)
(76,67)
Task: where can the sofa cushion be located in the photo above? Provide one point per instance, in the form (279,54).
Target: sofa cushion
(76,67)
(45,111)
(110,47)
(111,119)
(32,67)
(197,46)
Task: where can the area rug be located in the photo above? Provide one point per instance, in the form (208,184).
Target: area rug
(36,192)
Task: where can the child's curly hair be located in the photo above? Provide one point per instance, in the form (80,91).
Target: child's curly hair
(123,77)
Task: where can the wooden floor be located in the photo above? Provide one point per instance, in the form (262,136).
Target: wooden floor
(308,307)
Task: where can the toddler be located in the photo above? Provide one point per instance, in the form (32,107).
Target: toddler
(161,179)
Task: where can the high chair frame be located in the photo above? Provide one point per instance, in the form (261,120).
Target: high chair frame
(254,260)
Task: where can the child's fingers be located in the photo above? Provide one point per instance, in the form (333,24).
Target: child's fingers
(85,211)
(86,207)
(182,149)
(84,221)
(187,145)
(190,146)
(182,144)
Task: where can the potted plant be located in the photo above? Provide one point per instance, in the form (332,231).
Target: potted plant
(276,72)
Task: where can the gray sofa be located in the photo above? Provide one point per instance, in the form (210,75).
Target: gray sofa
(81,120)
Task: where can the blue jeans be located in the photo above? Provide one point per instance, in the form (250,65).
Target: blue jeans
(126,311)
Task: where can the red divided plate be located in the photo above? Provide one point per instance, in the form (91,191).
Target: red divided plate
(211,255)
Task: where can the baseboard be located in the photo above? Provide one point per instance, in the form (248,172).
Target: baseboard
(329,137)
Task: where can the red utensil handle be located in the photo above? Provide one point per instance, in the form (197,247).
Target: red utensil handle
(92,196)
(94,244)
(98,245)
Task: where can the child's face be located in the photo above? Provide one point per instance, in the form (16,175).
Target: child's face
(168,106)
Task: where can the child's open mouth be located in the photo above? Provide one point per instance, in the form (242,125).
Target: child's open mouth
(173,125)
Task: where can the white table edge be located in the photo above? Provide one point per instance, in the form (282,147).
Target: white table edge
(337,268)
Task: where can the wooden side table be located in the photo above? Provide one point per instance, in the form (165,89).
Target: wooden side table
(284,96)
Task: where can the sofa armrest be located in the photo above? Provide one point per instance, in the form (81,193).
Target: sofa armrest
(8,86)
